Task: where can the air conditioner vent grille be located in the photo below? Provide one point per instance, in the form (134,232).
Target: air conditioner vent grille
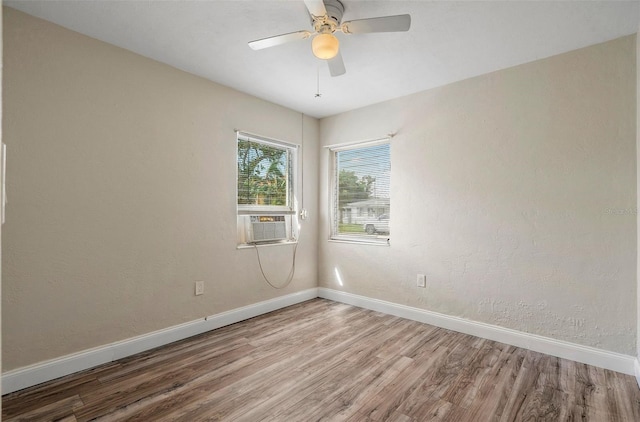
(266,228)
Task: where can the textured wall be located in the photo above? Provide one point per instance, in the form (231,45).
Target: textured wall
(514,192)
(122,193)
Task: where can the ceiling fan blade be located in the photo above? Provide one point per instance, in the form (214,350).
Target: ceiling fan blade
(336,65)
(396,23)
(279,39)
(316,7)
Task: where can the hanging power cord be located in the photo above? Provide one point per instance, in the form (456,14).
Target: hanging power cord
(302,214)
(291,272)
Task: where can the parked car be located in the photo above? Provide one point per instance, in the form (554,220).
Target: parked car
(379,225)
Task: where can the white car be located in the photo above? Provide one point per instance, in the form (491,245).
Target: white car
(380,225)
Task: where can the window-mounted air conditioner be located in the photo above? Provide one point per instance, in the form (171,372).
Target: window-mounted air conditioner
(266,228)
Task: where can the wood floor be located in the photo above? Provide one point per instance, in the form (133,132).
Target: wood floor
(322,360)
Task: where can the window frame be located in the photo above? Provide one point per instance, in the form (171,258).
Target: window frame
(293,151)
(334,236)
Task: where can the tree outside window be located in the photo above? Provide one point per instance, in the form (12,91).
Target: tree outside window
(362,200)
(263,174)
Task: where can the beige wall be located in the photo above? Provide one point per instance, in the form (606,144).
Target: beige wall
(122,193)
(1,181)
(514,192)
(638,184)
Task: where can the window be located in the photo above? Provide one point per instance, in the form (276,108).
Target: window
(361,200)
(265,190)
(265,174)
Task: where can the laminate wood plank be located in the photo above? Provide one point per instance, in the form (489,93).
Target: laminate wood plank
(399,417)
(53,391)
(546,400)
(109,398)
(341,404)
(621,405)
(412,333)
(348,390)
(381,381)
(205,379)
(475,366)
(315,403)
(247,393)
(308,375)
(523,386)
(159,400)
(163,357)
(391,397)
(292,397)
(383,338)
(567,382)
(326,361)
(495,388)
(62,409)
(592,397)
(356,346)
(428,340)
(188,394)
(280,333)
(436,409)
(139,389)
(426,400)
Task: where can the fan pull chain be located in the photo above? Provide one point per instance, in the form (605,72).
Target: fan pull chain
(318,94)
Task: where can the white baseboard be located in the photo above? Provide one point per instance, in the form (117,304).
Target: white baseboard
(20,378)
(562,349)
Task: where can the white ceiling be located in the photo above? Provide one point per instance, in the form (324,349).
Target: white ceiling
(448,41)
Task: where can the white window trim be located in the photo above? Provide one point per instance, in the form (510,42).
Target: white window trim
(345,238)
(292,192)
(244,211)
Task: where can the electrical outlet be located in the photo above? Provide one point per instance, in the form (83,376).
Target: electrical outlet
(199,288)
(422,280)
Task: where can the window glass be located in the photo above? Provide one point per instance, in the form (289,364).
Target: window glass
(265,172)
(362,197)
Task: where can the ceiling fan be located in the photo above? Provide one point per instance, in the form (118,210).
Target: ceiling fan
(326,18)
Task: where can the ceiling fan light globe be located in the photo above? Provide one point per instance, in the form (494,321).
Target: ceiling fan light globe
(325,46)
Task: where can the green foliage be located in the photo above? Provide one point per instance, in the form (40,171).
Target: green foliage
(262,174)
(353,189)
(350,228)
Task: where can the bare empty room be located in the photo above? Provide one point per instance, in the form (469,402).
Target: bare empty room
(305,210)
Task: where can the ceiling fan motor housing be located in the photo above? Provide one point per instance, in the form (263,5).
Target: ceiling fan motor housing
(326,19)
(335,11)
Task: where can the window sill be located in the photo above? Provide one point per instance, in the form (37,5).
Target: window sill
(382,242)
(266,244)
(265,211)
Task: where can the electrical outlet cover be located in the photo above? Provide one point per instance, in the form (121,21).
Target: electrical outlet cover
(199,288)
